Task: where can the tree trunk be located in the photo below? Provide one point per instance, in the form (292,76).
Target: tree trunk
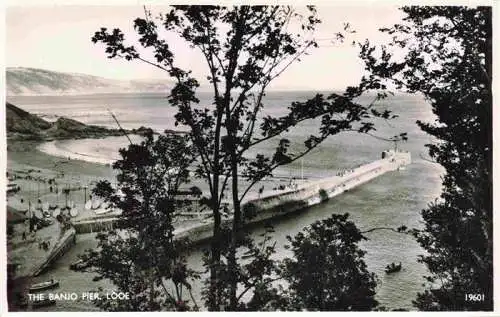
(214,291)
(234,235)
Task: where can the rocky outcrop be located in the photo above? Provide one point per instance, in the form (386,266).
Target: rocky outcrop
(21,125)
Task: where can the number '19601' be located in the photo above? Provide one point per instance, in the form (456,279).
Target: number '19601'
(474,297)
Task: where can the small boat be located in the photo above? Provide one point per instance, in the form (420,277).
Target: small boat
(43,302)
(105,205)
(120,193)
(46,221)
(73,212)
(45,207)
(393,268)
(88,204)
(43,286)
(38,213)
(56,212)
(78,264)
(96,204)
(102,211)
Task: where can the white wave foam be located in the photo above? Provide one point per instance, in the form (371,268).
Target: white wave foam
(53,148)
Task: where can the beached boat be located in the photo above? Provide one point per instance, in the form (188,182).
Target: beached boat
(38,213)
(43,303)
(105,205)
(393,268)
(45,207)
(47,221)
(96,204)
(56,212)
(102,211)
(12,188)
(88,204)
(44,286)
(73,212)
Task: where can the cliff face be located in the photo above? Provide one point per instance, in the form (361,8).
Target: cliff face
(34,81)
(21,125)
(20,121)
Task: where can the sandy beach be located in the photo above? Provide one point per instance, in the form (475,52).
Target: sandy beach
(41,179)
(24,155)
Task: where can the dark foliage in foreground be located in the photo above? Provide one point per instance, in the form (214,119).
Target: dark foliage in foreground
(140,256)
(449,61)
(245,49)
(328,272)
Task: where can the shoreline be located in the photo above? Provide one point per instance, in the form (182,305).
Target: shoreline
(25,154)
(50,148)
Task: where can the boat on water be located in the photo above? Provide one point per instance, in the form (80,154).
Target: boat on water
(393,268)
(44,286)
(43,302)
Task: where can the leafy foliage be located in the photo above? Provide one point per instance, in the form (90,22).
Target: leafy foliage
(327,272)
(140,256)
(245,49)
(449,60)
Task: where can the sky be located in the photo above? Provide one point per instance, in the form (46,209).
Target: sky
(58,37)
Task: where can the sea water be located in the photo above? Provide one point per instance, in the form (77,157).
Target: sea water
(391,200)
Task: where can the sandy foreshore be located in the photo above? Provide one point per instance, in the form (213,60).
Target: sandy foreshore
(25,155)
(41,179)
(38,175)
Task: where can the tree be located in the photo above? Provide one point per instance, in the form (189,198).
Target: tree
(245,48)
(327,272)
(448,59)
(140,256)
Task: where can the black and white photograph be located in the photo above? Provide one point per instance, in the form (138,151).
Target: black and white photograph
(224,157)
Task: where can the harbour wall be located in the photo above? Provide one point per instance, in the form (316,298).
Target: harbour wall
(281,203)
(64,244)
(94,225)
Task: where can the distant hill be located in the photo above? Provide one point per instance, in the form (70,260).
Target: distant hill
(21,125)
(33,81)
